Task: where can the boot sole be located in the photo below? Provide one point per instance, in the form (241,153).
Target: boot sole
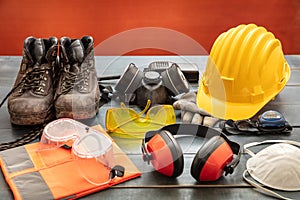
(33,119)
(78,113)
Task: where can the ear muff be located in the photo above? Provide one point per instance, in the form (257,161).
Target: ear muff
(166,154)
(211,159)
(130,80)
(174,80)
(215,157)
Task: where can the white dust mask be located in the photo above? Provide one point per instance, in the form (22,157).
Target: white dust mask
(276,166)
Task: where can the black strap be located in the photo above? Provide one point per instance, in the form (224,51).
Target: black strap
(192,130)
(106,94)
(117,171)
(248,127)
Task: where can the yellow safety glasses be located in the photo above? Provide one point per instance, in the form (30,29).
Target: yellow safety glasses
(126,122)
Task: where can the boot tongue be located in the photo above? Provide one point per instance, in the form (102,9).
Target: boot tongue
(76,55)
(38,50)
(76,51)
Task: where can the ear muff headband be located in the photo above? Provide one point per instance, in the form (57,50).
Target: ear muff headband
(199,131)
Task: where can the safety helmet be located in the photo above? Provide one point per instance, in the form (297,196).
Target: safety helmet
(245,70)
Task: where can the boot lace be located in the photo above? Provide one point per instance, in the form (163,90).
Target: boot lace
(30,79)
(78,80)
(34,80)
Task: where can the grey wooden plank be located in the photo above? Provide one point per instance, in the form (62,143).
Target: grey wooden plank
(294,78)
(12,63)
(183,193)
(124,193)
(115,65)
(293,60)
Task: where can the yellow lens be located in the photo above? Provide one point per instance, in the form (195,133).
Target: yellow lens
(125,122)
(163,115)
(116,117)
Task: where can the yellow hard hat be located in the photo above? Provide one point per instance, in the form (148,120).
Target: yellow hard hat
(245,70)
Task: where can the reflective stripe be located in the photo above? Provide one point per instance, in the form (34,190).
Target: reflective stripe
(29,184)
(16,159)
(54,174)
(32,186)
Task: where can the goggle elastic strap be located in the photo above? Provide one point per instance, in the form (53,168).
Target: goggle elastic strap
(116,171)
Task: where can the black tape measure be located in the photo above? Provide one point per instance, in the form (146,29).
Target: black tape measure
(271,121)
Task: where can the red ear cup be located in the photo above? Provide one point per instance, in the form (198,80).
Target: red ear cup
(210,160)
(166,154)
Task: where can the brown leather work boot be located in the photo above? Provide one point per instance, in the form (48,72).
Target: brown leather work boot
(31,101)
(77,93)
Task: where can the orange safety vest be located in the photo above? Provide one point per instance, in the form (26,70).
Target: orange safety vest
(54,174)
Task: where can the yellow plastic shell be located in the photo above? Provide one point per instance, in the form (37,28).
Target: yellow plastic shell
(245,70)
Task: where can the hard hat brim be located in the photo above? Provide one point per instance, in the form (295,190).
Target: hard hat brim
(231,110)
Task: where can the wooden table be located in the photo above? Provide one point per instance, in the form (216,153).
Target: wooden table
(152,185)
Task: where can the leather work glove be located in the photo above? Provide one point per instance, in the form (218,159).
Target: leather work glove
(191,113)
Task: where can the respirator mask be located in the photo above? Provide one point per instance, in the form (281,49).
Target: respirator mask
(157,83)
(276,167)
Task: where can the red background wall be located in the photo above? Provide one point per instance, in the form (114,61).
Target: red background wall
(202,20)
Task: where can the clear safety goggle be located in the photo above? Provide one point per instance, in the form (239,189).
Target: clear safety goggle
(126,122)
(91,149)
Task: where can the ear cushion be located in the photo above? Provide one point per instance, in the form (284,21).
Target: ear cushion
(210,160)
(174,80)
(130,80)
(167,157)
